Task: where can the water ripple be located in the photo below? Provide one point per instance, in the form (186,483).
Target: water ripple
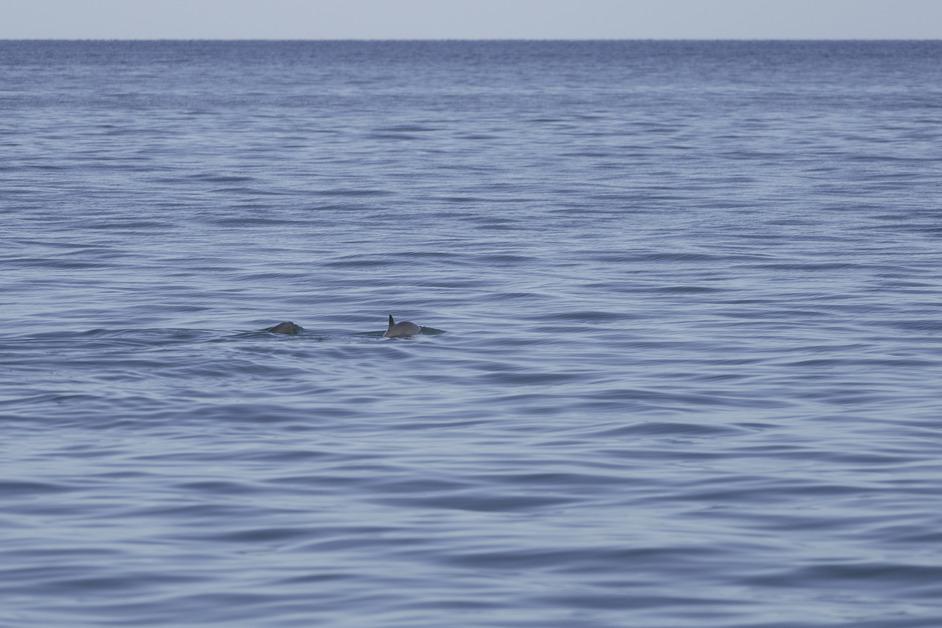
(689,294)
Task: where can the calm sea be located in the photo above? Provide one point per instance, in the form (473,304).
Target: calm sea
(690,375)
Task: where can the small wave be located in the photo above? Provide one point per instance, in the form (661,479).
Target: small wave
(220,178)
(353,192)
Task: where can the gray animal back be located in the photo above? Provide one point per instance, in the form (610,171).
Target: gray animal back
(402,330)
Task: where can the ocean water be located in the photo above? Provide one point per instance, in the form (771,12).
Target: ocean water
(689,377)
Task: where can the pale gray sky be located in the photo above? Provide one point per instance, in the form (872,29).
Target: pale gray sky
(468,19)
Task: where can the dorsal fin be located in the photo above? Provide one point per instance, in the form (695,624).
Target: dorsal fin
(391,321)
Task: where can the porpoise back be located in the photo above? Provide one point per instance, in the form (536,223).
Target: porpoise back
(286,327)
(405,329)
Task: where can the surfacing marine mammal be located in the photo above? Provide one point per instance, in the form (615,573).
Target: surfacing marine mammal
(405,329)
(286,327)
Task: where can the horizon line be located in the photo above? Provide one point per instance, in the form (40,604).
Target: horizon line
(475,39)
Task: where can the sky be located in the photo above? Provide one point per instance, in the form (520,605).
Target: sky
(471,19)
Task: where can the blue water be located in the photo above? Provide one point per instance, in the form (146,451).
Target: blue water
(692,304)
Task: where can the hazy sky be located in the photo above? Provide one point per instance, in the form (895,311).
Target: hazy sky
(446,19)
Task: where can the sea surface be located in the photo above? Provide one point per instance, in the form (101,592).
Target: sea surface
(691,296)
